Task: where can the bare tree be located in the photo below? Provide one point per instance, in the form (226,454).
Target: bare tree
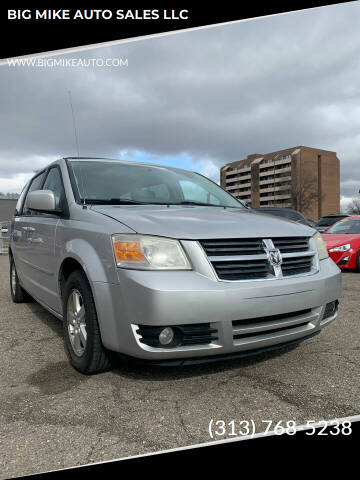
(354,207)
(305,192)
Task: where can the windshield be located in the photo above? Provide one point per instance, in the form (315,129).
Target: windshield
(111,182)
(327,221)
(345,226)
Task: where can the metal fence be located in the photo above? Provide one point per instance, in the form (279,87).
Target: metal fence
(4,237)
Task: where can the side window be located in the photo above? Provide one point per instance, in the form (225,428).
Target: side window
(35,185)
(53,182)
(195,193)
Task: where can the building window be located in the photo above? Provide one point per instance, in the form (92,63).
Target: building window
(285,165)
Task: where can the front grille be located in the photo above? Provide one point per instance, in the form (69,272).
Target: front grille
(252,246)
(237,259)
(241,270)
(232,246)
(296,265)
(289,245)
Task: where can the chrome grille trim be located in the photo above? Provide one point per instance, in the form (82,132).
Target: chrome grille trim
(263,256)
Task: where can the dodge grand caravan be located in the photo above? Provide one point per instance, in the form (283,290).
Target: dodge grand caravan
(162,264)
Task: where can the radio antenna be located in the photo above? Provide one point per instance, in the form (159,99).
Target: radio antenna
(77,143)
(74,123)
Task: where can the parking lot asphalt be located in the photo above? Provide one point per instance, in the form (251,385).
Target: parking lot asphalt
(53,417)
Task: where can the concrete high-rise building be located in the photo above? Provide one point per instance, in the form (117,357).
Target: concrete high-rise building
(306,179)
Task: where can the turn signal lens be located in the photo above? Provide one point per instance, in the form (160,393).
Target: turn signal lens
(146,252)
(128,251)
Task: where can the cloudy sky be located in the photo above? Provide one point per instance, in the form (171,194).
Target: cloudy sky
(195,99)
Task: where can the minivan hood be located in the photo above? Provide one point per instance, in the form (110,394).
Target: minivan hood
(198,222)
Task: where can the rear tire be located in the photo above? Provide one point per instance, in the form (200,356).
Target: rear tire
(358,262)
(18,294)
(82,338)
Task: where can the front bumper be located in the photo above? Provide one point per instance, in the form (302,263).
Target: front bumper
(346,260)
(217,358)
(187,297)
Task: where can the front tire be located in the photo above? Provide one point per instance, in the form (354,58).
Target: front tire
(18,294)
(83,343)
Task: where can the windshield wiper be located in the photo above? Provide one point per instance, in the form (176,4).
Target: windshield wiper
(193,202)
(113,201)
(120,201)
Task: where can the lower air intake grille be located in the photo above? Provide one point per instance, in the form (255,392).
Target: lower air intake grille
(275,330)
(331,309)
(192,334)
(271,318)
(272,325)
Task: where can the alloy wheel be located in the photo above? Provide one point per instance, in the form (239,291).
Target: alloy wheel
(13,278)
(76,322)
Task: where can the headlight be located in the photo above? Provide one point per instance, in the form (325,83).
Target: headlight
(341,248)
(144,252)
(321,246)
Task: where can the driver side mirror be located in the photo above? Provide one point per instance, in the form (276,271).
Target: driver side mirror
(41,201)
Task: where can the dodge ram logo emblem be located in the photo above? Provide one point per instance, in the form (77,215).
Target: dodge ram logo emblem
(274,257)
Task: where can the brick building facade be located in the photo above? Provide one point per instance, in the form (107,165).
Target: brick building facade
(306,179)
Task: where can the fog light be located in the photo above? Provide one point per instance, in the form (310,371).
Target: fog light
(166,336)
(330,309)
(344,261)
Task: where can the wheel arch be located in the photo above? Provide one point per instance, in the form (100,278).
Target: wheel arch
(67,267)
(98,266)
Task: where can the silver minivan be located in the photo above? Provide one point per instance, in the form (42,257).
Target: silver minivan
(162,264)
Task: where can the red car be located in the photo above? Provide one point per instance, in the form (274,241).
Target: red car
(343,242)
